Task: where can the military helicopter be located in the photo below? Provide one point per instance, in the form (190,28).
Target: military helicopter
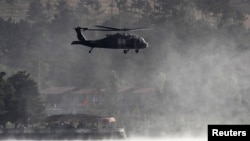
(112,41)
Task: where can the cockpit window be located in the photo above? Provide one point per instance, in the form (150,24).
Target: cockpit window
(142,39)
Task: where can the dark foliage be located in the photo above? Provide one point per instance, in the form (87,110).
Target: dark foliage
(20,102)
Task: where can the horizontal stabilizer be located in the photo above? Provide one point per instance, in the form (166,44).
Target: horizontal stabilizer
(76,42)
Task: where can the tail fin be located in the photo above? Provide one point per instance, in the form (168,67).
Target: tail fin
(79,34)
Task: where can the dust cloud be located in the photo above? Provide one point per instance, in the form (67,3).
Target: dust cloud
(202,83)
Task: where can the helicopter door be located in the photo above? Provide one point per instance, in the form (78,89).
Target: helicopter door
(121,42)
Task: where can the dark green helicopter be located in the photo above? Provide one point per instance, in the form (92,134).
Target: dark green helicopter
(112,41)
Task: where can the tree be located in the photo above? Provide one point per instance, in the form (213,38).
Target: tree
(64,18)
(114,82)
(10,2)
(9,103)
(141,6)
(121,5)
(94,4)
(49,11)
(36,13)
(2,83)
(112,99)
(82,10)
(222,10)
(26,106)
(169,10)
(6,91)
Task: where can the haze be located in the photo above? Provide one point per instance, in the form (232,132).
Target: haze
(198,58)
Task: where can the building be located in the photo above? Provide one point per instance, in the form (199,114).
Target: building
(65,100)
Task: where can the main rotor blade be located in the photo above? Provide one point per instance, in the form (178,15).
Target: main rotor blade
(111,28)
(120,29)
(143,28)
(99,30)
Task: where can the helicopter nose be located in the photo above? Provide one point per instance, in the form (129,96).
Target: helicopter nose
(145,44)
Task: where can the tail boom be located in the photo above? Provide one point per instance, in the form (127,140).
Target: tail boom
(76,43)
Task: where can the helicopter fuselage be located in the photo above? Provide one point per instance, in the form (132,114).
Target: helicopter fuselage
(112,41)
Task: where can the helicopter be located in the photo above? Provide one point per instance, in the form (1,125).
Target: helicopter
(112,41)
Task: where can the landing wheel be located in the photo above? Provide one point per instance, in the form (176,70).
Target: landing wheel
(125,51)
(137,51)
(91,50)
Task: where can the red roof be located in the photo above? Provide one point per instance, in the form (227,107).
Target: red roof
(85,91)
(57,90)
(144,90)
(124,89)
